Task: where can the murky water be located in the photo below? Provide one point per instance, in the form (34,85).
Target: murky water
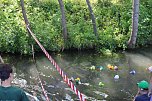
(78,65)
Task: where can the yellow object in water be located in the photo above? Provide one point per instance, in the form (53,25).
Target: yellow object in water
(78,79)
(110,67)
(101,84)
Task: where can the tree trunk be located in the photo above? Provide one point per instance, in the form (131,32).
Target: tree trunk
(26,20)
(135,15)
(24,12)
(64,28)
(93,18)
(1,60)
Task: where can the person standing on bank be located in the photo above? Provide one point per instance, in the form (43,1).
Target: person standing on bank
(7,91)
(143,91)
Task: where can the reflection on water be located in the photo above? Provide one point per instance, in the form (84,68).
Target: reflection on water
(95,84)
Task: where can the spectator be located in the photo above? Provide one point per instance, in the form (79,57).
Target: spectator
(7,91)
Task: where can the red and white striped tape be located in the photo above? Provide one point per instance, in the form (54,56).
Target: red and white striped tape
(40,81)
(64,76)
(44,91)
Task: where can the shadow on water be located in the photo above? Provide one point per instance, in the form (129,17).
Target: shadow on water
(78,65)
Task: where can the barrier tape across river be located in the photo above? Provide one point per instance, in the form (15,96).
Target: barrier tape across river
(64,76)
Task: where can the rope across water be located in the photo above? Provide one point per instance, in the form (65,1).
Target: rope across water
(64,76)
(44,91)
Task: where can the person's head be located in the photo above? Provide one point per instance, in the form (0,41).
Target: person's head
(143,85)
(5,72)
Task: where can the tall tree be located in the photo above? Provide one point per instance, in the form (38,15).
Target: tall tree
(64,28)
(25,19)
(135,16)
(24,12)
(93,18)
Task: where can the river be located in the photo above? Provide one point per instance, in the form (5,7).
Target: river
(78,64)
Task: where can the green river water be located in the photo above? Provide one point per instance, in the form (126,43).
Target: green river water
(77,64)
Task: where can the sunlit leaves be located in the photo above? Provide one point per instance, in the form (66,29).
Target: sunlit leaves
(113,18)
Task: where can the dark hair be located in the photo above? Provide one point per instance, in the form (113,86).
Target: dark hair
(5,70)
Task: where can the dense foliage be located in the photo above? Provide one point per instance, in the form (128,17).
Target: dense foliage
(113,18)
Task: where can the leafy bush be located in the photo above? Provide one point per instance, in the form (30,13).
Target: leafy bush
(113,18)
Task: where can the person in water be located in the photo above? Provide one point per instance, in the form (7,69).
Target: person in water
(7,91)
(143,91)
